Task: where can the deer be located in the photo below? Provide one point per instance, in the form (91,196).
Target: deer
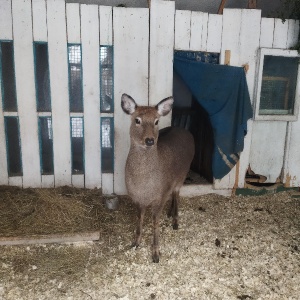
(157,164)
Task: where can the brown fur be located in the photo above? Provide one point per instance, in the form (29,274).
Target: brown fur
(156,173)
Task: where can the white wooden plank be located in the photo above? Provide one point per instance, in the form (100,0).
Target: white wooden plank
(15,181)
(39,20)
(78,181)
(161,53)
(204,32)
(182,29)
(107,183)
(105,15)
(267,152)
(91,94)
(58,64)
(3,160)
(131,41)
(214,34)
(232,20)
(267,32)
(47,181)
(293,33)
(25,87)
(196,30)
(5,20)
(280,34)
(73,23)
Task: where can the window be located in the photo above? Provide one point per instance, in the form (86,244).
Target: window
(75,78)
(107,145)
(277,93)
(77,145)
(42,80)
(106,79)
(7,76)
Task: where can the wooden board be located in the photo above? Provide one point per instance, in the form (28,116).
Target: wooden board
(161,54)
(91,94)
(131,42)
(47,181)
(293,33)
(105,16)
(198,38)
(5,20)
(267,32)
(26,97)
(73,23)
(58,63)
(280,34)
(182,29)
(214,33)
(107,183)
(39,20)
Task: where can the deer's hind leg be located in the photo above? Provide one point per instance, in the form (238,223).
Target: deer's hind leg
(173,211)
(139,227)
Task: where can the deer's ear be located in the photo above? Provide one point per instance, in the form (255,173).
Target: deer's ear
(165,106)
(128,104)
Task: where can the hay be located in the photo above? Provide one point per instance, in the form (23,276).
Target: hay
(49,211)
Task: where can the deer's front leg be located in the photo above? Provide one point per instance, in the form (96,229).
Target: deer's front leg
(156,213)
(139,227)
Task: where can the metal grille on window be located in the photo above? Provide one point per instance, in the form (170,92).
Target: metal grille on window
(75,78)
(278,85)
(7,76)
(46,145)
(106,78)
(13,146)
(42,77)
(107,145)
(77,143)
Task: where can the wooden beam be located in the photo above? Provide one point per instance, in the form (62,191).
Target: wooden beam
(252,4)
(221,7)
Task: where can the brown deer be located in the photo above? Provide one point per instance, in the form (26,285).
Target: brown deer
(157,164)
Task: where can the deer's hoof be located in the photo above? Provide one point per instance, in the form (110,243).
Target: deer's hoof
(175,226)
(155,258)
(135,245)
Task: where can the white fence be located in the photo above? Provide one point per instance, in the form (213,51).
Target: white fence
(143,68)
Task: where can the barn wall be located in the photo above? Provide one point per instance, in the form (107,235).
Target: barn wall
(143,68)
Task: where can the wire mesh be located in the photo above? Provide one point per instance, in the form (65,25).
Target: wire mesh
(107,143)
(77,145)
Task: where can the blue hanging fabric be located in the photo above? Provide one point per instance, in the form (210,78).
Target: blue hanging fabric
(223,92)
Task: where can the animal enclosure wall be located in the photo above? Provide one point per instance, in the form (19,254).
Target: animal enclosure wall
(60,117)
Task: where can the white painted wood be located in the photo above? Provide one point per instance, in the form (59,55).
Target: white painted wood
(267,148)
(91,94)
(214,34)
(47,181)
(73,23)
(5,20)
(191,190)
(15,181)
(131,39)
(3,157)
(161,54)
(78,180)
(267,32)
(204,32)
(105,15)
(293,33)
(58,64)
(25,87)
(182,29)
(280,34)
(107,183)
(227,182)
(39,20)
(196,30)
(232,20)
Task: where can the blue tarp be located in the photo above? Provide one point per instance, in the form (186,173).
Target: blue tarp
(223,92)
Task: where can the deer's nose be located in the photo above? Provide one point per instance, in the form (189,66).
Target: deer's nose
(149,141)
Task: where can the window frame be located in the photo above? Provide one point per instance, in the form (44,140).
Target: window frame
(275,117)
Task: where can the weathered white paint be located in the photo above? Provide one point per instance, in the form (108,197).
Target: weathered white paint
(267,32)
(73,23)
(5,20)
(25,87)
(280,34)
(107,183)
(78,180)
(293,33)
(47,181)
(39,20)
(198,38)
(161,53)
(182,29)
(105,15)
(214,34)
(58,64)
(131,42)
(15,181)
(91,94)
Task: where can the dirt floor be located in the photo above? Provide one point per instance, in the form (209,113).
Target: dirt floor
(226,248)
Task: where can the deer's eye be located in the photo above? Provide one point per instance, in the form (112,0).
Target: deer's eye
(156,122)
(137,121)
